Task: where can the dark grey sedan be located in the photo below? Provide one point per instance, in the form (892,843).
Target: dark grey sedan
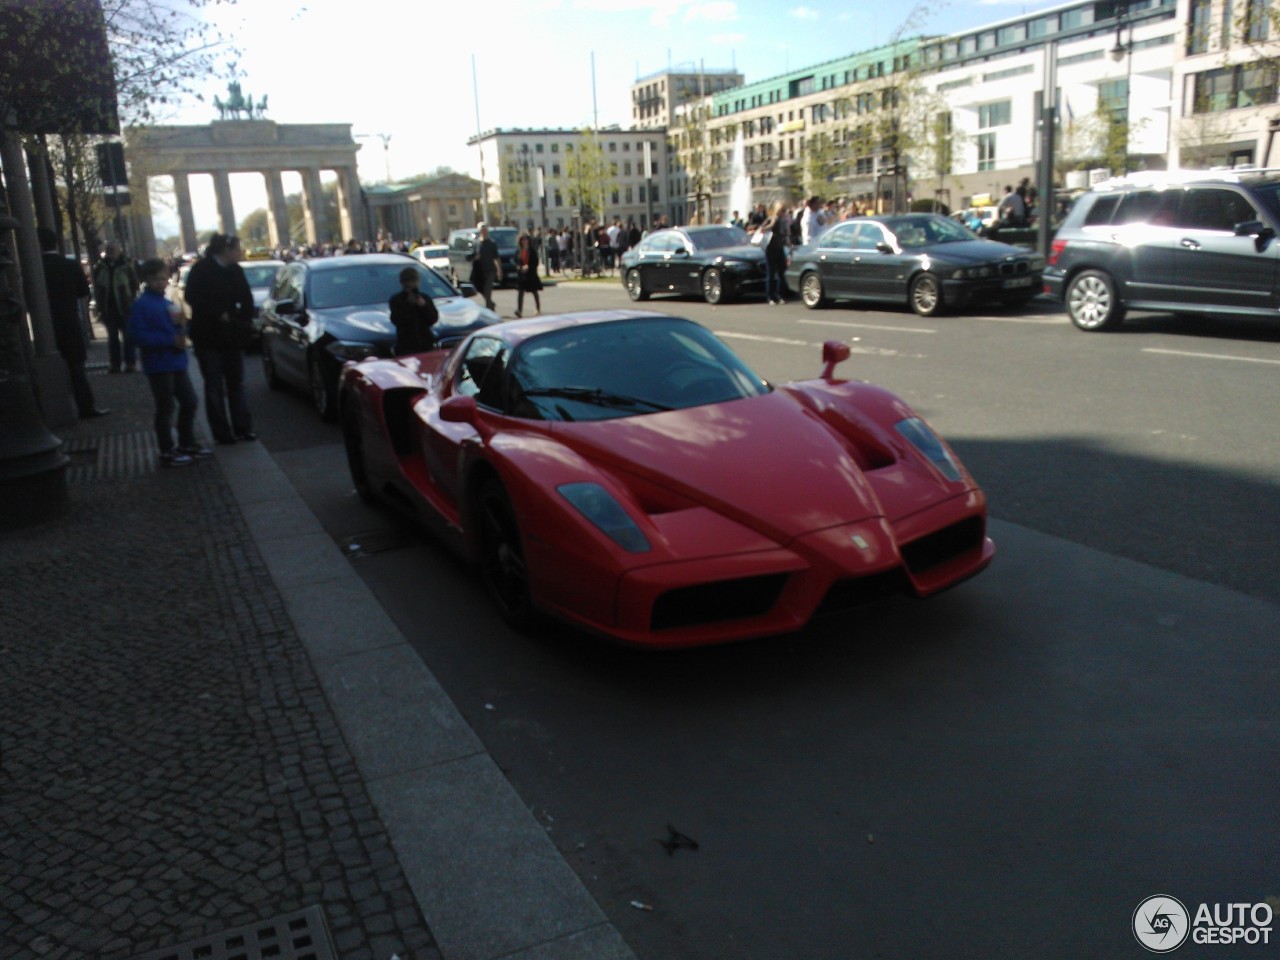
(323,312)
(927,261)
(716,262)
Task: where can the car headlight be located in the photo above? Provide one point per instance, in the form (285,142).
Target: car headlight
(353,350)
(735,266)
(922,437)
(598,505)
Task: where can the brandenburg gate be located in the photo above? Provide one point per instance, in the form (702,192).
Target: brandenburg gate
(256,146)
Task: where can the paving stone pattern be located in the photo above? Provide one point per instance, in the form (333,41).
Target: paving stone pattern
(169,766)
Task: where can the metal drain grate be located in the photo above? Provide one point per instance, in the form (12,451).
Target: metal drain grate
(375,541)
(115,457)
(295,936)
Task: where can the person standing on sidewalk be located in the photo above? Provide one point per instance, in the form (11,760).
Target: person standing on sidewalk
(221,305)
(157,327)
(527,280)
(778,229)
(115,284)
(67,286)
(486,268)
(413,315)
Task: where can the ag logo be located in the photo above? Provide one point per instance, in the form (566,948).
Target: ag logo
(1161,923)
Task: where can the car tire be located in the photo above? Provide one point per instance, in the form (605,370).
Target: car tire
(1092,301)
(811,292)
(926,295)
(353,441)
(502,556)
(322,391)
(715,286)
(635,285)
(269,367)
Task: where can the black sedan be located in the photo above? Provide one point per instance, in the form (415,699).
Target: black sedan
(927,261)
(715,262)
(323,312)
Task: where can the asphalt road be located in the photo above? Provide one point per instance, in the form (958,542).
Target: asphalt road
(1007,769)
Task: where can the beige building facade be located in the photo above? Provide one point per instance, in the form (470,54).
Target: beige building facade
(428,208)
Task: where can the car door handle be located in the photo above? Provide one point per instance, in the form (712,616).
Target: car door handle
(1190,244)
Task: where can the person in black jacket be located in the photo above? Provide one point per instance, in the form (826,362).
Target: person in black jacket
(67,286)
(413,316)
(221,305)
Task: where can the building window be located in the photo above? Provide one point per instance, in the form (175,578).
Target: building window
(1244,85)
(613,146)
(537,148)
(996,114)
(1198,26)
(1079,17)
(1113,99)
(1015,33)
(1255,21)
(986,151)
(559,201)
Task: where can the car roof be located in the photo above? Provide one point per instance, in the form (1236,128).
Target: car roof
(262,263)
(516,332)
(1163,179)
(337,263)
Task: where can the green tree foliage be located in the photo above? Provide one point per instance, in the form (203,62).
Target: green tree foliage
(587,175)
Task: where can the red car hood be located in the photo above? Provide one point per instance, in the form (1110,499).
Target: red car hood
(765,462)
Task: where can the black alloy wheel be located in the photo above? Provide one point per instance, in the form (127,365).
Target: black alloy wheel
(322,391)
(353,440)
(502,559)
(269,367)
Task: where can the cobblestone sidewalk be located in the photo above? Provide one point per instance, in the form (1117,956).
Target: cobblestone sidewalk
(169,767)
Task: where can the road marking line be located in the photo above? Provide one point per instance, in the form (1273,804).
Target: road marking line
(866,326)
(1040,320)
(753,336)
(1208,356)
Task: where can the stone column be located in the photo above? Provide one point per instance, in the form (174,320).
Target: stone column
(226,209)
(440,220)
(313,206)
(186,212)
(278,231)
(351,204)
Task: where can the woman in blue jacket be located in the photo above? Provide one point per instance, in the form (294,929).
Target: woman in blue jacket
(156,327)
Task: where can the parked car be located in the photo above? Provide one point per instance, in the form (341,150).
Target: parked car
(462,250)
(1202,243)
(927,261)
(626,472)
(323,312)
(261,274)
(433,255)
(717,263)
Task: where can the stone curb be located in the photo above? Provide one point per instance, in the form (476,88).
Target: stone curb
(488,880)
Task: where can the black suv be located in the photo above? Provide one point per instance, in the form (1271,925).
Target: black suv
(462,250)
(1200,243)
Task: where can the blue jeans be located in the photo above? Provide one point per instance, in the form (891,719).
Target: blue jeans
(223,372)
(775,264)
(167,387)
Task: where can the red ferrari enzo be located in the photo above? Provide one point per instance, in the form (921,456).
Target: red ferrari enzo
(626,472)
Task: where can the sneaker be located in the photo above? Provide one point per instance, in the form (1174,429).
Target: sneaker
(196,453)
(175,458)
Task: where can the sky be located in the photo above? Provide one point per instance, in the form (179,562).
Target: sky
(402,69)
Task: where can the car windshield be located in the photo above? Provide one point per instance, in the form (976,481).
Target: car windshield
(915,232)
(261,274)
(714,238)
(433,253)
(602,371)
(504,237)
(361,283)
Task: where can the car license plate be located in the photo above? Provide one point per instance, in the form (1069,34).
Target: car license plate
(1017,282)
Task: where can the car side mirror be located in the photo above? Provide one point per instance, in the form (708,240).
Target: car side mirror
(680,252)
(833,352)
(459,409)
(1254,228)
(467,289)
(883,247)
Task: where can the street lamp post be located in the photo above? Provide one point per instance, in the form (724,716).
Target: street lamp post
(648,184)
(1123,50)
